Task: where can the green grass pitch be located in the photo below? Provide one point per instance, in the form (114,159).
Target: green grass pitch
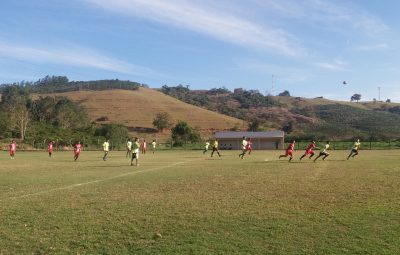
(184,202)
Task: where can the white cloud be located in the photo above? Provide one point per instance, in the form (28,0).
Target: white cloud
(208,19)
(335,65)
(327,14)
(72,56)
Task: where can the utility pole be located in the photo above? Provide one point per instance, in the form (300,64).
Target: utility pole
(273,86)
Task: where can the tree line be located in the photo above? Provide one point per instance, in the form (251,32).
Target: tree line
(59,84)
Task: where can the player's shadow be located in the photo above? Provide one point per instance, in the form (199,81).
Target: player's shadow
(287,162)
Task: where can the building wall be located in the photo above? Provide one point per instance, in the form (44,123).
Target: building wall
(258,143)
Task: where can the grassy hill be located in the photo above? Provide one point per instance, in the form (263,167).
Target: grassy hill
(302,118)
(136,109)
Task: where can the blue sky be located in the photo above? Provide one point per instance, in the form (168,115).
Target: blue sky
(310,46)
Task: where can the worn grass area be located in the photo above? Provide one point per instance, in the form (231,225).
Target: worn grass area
(199,205)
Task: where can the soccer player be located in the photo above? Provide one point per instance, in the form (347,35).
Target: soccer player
(215,148)
(289,151)
(354,150)
(324,153)
(106,149)
(249,146)
(309,150)
(135,152)
(13,148)
(144,146)
(128,147)
(153,145)
(77,150)
(244,147)
(206,147)
(50,148)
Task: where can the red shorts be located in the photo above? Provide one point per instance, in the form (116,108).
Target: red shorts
(289,153)
(77,152)
(12,152)
(308,152)
(50,150)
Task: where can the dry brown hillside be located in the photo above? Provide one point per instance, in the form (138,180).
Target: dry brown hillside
(137,109)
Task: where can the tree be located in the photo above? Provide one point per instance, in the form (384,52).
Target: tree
(43,109)
(355,97)
(162,120)
(288,128)
(3,123)
(254,125)
(183,133)
(284,94)
(114,132)
(69,114)
(16,103)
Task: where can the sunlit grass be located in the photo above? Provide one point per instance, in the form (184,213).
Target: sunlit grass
(184,202)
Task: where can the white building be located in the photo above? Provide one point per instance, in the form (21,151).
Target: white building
(271,140)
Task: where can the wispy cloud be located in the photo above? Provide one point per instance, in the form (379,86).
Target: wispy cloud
(206,18)
(379,46)
(327,14)
(335,65)
(71,56)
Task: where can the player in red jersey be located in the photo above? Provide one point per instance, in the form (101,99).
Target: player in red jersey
(13,148)
(289,151)
(249,146)
(77,150)
(144,146)
(50,148)
(310,150)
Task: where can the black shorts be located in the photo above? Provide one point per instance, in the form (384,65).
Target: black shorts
(354,151)
(323,153)
(134,155)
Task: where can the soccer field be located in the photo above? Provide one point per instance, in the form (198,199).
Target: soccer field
(184,202)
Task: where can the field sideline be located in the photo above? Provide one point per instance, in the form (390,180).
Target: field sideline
(184,202)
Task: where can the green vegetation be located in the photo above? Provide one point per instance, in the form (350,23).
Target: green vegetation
(182,134)
(58,84)
(355,122)
(235,104)
(183,202)
(162,121)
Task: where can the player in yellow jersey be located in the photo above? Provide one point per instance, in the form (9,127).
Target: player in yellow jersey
(153,146)
(354,150)
(206,147)
(135,152)
(128,147)
(106,149)
(244,147)
(215,148)
(324,153)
